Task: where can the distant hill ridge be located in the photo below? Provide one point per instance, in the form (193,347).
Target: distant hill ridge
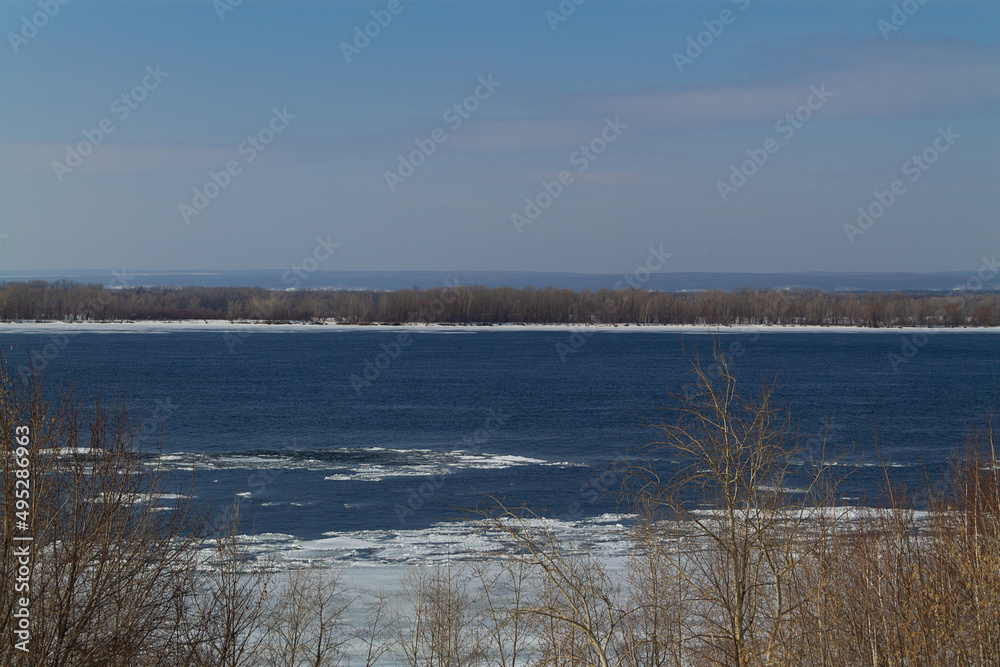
(394,280)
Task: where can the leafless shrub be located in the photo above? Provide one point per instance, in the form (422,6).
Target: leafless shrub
(505,632)
(112,565)
(654,635)
(379,628)
(306,625)
(578,606)
(731,457)
(232,606)
(437,628)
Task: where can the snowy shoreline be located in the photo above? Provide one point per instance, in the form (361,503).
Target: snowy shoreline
(178,326)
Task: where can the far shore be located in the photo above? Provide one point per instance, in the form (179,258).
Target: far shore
(176,326)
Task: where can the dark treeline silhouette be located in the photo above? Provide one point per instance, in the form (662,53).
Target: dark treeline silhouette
(67,301)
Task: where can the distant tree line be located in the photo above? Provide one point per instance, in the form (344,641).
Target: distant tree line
(70,302)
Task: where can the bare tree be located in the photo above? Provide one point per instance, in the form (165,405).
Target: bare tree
(578,605)
(730,459)
(307,625)
(655,633)
(504,630)
(438,608)
(378,632)
(112,557)
(232,606)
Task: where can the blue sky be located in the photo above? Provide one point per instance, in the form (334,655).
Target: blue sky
(664,177)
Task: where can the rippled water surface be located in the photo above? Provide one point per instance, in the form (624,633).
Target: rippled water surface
(534,416)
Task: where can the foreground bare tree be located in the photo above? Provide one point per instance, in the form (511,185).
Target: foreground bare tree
(731,457)
(437,629)
(654,634)
(504,631)
(379,627)
(577,607)
(922,588)
(307,625)
(112,557)
(232,606)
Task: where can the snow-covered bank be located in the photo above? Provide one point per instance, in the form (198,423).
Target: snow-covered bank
(164,327)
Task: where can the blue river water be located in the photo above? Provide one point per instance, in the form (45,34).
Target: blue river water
(385,429)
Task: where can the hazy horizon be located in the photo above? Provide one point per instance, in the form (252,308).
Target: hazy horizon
(661,281)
